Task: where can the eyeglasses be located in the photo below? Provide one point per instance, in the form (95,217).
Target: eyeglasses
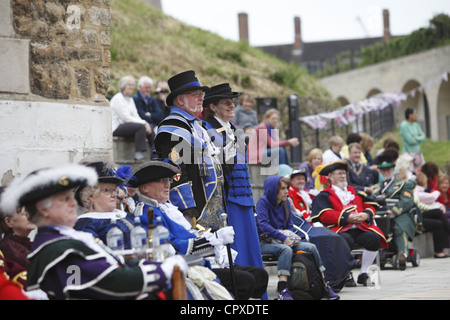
(108,190)
(197,94)
(227,103)
(165,180)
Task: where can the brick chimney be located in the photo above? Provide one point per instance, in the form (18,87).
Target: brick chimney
(243,27)
(386,27)
(298,37)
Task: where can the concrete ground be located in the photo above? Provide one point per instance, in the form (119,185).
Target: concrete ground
(429,281)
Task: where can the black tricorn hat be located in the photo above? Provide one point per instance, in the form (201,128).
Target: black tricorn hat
(297,172)
(152,170)
(333,166)
(220,91)
(181,83)
(43,183)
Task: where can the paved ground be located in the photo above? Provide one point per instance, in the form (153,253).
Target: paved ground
(429,281)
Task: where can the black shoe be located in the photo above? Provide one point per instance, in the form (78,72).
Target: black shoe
(362,279)
(350,282)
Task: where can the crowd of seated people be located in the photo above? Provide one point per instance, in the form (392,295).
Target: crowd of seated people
(335,186)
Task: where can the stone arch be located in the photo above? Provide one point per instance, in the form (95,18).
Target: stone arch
(416,99)
(373,92)
(443,110)
(343,101)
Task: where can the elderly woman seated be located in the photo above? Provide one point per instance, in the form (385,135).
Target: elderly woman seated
(70,264)
(100,202)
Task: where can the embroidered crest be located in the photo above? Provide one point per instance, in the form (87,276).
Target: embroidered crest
(177,177)
(174,155)
(407,194)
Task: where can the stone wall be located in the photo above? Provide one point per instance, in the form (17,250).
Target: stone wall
(69,46)
(55,64)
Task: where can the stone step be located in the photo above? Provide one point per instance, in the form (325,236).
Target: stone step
(123,151)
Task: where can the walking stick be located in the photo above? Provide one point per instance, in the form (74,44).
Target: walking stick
(223,216)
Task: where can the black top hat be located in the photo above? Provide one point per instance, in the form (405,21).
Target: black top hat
(220,91)
(151,171)
(43,183)
(299,171)
(333,166)
(181,83)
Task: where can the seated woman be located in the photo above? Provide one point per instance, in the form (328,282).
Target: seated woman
(314,159)
(443,186)
(433,216)
(126,121)
(16,244)
(273,215)
(265,144)
(100,202)
(334,250)
(70,264)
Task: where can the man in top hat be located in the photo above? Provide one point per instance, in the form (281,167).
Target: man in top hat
(405,226)
(197,190)
(219,109)
(350,214)
(152,179)
(70,264)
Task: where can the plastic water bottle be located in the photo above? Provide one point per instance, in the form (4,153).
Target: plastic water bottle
(114,237)
(161,242)
(138,237)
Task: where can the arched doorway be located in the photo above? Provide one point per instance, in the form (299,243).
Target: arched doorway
(416,99)
(443,110)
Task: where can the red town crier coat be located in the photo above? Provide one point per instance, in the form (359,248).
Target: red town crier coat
(328,209)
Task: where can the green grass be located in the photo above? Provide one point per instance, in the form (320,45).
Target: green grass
(144,41)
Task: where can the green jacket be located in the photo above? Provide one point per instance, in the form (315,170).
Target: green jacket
(411,135)
(403,191)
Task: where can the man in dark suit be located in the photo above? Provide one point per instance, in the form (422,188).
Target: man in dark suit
(359,176)
(146,106)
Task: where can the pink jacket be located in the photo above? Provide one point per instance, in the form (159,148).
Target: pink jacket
(261,140)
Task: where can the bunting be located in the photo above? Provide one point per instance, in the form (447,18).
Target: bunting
(352,112)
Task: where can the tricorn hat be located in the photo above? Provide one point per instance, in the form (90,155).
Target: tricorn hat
(151,171)
(220,91)
(301,171)
(327,169)
(181,83)
(385,161)
(43,183)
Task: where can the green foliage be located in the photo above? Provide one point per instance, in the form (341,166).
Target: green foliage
(436,35)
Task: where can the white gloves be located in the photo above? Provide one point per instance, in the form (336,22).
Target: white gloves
(169,263)
(226,235)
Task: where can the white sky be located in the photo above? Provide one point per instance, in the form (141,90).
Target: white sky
(272,22)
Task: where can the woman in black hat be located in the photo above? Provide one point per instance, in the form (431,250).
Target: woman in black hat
(70,264)
(100,202)
(219,105)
